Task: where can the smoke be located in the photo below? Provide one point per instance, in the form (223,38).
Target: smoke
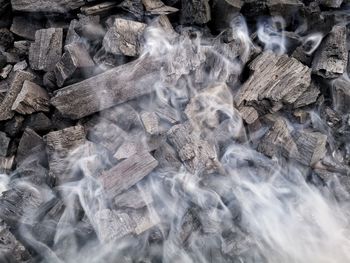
(252,209)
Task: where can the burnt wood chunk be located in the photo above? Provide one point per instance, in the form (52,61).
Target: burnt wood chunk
(197,155)
(127,173)
(150,121)
(331,3)
(30,143)
(133,198)
(75,57)
(124,37)
(275,78)
(143,220)
(25,27)
(157,7)
(341,95)
(14,126)
(134,7)
(38,122)
(6,164)
(308,97)
(330,60)
(99,8)
(59,145)
(195,12)
(11,250)
(32,98)
(248,113)
(167,157)
(4,144)
(57,6)
(113,87)
(46,51)
(16,83)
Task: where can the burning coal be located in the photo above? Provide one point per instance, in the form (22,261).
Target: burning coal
(174,131)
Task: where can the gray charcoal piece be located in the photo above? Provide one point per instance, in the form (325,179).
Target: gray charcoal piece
(331,57)
(57,6)
(32,98)
(76,57)
(16,82)
(115,86)
(38,122)
(124,37)
(127,173)
(143,220)
(150,122)
(6,164)
(157,7)
(276,78)
(341,95)
(5,71)
(308,97)
(99,8)
(167,157)
(4,144)
(30,144)
(195,12)
(46,51)
(25,27)
(134,7)
(134,198)
(331,3)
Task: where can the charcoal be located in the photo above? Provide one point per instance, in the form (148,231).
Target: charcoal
(30,144)
(6,164)
(75,57)
(269,80)
(99,8)
(195,12)
(167,157)
(197,155)
(133,198)
(124,37)
(46,51)
(150,121)
(32,98)
(134,7)
(224,11)
(6,38)
(157,7)
(308,97)
(14,126)
(22,47)
(249,114)
(11,250)
(4,144)
(16,84)
(300,54)
(127,173)
(331,3)
(20,66)
(143,220)
(341,95)
(58,6)
(5,71)
(38,122)
(132,146)
(301,115)
(115,87)
(89,27)
(286,8)
(49,81)
(25,27)
(59,145)
(331,57)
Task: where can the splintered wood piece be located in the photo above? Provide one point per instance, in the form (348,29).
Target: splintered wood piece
(275,78)
(32,98)
(150,121)
(124,37)
(25,27)
(30,143)
(112,225)
(113,87)
(133,198)
(75,57)
(127,173)
(331,57)
(195,11)
(59,145)
(4,144)
(308,97)
(46,51)
(157,7)
(57,6)
(11,250)
(16,83)
(197,155)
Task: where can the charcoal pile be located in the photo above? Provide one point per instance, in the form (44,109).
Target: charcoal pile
(175,131)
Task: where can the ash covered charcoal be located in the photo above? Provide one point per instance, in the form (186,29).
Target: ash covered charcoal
(174,131)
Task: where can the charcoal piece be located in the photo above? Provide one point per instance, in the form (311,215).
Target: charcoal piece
(6,164)
(22,47)
(76,57)
(38,122)
(134,7)
(49,81)
(32,98)
(89,27)
(133,198)
(143,220)
(341,95)
(276,78)
(20,66)
(99,8)
(286,8)
(195,12)
(14,126)
(124,37)
(105,133)
(113,225)
(299,54)
(116,86)
(301,115)
(223,11)
(4,144)
(72,36)
(308,97)
(5,71)
(330,59)
(25,27)
(16,83)
(6,38)
(332,117)
(11,250)
(19,204)
(248,113)
(331,3)
(157,7)
(197,155)
(60,145)
(31,143)
(33,171)
(127,173)
(130,147)
(166,112)
(167,157)
(46,51)
(150,121)
(57,6)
